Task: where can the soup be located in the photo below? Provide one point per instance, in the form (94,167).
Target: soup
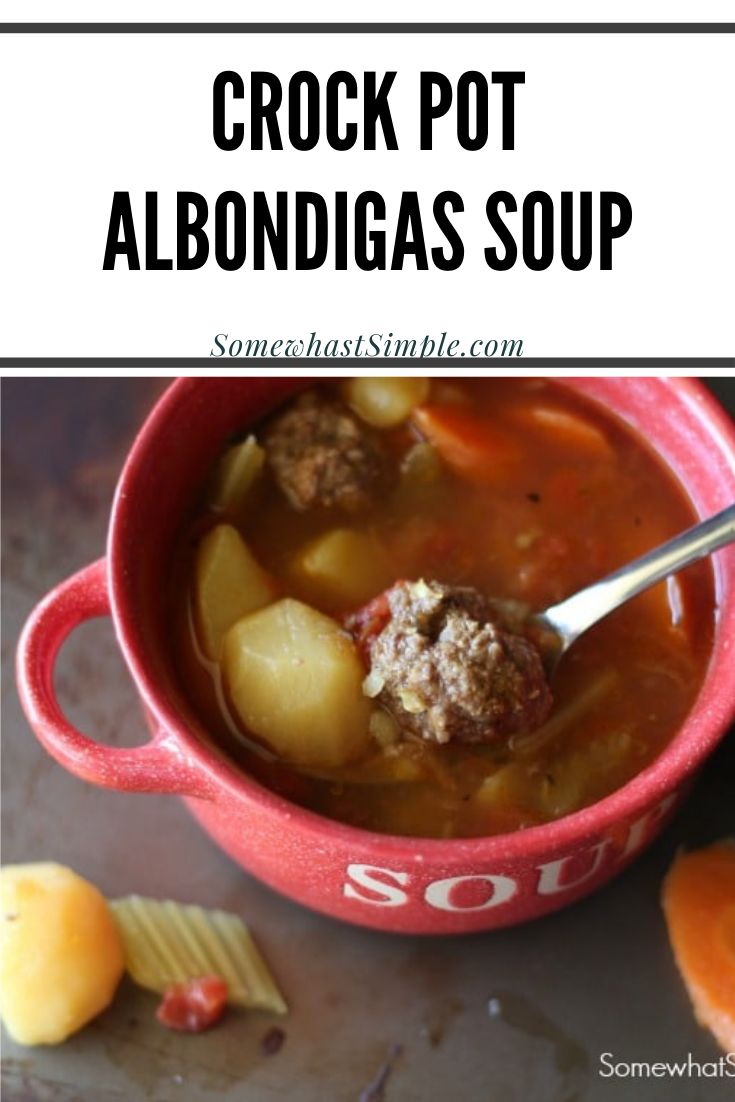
(350,591)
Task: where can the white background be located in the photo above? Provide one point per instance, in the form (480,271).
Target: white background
(647,115)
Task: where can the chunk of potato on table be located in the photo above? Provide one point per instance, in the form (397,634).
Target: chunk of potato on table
(61,956)
(386,402)
(295,679)
(343,567)
(229,584)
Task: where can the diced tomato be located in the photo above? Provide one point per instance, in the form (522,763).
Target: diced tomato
(193,1006)
(471,445)
(367,623)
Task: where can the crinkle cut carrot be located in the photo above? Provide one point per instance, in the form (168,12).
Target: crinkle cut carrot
(699,904)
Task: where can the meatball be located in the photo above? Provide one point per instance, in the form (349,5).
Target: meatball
(321,454)
(452,665)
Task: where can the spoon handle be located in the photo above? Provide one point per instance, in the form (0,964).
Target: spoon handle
(571,617)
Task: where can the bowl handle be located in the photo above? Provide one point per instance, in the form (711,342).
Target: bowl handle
(157,766)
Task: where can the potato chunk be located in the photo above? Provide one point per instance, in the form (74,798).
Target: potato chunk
(385,402)
(342,567)
(61,957)
(237,473)
(295,680)
(229,584)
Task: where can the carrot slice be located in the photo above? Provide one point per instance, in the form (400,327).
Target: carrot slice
(699,904)
(567,428)
(471,445)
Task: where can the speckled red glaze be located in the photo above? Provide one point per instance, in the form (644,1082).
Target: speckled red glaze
(391,883)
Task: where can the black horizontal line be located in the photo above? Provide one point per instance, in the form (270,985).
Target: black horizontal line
(367,28)
(351,361)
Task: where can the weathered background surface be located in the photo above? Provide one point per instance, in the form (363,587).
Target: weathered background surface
(596,978)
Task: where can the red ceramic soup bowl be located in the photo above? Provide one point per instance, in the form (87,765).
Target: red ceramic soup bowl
(405,884)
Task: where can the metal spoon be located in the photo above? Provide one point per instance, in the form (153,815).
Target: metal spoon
(563,623)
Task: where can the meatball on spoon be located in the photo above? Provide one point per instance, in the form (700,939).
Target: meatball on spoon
(563,623)
(456,666)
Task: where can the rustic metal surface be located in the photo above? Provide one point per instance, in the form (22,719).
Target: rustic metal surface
(596,978)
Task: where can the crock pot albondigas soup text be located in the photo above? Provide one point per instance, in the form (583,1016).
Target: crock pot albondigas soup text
(352,590)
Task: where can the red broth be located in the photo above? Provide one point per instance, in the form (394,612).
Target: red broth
(540,493)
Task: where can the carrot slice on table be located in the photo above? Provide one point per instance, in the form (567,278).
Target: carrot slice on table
(470,444)
(566,428)
(699,904)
